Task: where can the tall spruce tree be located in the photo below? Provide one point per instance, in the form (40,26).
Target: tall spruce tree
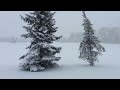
(41,54)
(89,47)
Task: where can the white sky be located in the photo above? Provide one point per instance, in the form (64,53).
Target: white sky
(66,21)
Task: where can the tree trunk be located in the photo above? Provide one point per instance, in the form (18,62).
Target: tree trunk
(92,63)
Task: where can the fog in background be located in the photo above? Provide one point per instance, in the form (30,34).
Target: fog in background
(69,23)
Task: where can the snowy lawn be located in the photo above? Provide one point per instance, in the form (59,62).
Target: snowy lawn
(70,66)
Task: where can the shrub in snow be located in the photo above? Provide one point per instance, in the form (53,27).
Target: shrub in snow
(40,28)
(90,47)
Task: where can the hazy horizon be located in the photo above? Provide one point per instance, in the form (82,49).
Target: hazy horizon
(67,21)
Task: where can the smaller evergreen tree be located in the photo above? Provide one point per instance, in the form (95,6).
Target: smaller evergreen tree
(90,47)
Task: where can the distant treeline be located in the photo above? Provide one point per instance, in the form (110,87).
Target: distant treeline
(13,39)
(106,35)
(74,37)
(109,35)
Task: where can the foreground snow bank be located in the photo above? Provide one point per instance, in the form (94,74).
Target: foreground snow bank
(70,67)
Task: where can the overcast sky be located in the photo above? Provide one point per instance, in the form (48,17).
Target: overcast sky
(66,21)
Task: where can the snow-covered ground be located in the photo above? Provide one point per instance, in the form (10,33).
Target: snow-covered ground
(70,66)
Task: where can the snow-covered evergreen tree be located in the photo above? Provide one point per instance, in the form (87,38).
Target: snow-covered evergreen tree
(41,29)
(90,47)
